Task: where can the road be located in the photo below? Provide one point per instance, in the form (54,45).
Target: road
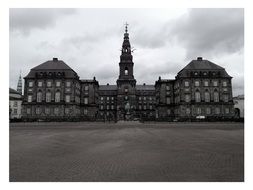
(120,152)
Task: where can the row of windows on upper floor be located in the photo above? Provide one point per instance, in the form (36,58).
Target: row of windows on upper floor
(49,111)
(202,111)
(197,83)
(108,98)
(57,98)
(206,96)
(140,107)
(57,84)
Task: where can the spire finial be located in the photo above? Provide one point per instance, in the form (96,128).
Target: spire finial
(126,27)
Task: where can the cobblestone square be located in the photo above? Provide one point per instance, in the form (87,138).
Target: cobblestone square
(126,152)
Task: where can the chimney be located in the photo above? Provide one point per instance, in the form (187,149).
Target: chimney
(107,84)
(199,58)
(144,84)
(55,59)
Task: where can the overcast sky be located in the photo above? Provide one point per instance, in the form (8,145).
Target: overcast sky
(89,41)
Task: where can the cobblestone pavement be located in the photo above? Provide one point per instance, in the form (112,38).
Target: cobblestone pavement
(122,152)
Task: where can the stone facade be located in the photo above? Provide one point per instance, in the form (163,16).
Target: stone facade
(15,104)
(201,90)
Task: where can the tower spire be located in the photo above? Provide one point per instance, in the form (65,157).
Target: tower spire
(19,86)
(126,27)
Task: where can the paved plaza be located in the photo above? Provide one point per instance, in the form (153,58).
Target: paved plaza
(126,152)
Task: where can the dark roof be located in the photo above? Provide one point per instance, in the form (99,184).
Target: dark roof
(54,65)
(203,65)
(12,91)
(107,87)
(145,87)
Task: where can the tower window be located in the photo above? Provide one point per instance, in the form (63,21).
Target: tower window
(126,71)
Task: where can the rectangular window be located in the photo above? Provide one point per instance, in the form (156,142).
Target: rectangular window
(57,97)
(49,83)
(86,88)
(68,84)
(224,83)
(168,100)
(225,98)
(150,107)
(85,111)
(196,83)
(226,110)
(58,83)
(187,111)
(144,98)
(187,98)
(215,83)
(28,110)
(167,87)
(15,104)
(198,111)
(107,107)
(206,83)
(48,97)
(139,107)
(40,84)
(47,111)
(208,111)
(197,96)
(140,98)
(15,111)
(217,110)
(101,107)
(37,111)
(30,84)
(216,97)
(186,83)
(67,98)
(112,98)
(168,111)
(108,98)
(112,107)
(85,100)
(56,111)
(29,98)
(144,107)
(66,111)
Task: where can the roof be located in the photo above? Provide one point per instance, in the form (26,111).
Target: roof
(12,91)
(145,87)
(239,97)
(107,87)
(54,65)
(202,65)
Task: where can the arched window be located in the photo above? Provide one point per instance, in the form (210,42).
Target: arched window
(197,96)
(126,71)
(216,96)
(207,96)
(48,96)
(39,96)
(57,96)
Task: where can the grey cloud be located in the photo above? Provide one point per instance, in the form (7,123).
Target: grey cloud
(24,20)
(210,31)
(143,37)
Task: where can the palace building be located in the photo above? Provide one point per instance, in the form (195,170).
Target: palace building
(54,91)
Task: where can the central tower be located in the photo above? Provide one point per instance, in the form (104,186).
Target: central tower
(126,83)
(126,61)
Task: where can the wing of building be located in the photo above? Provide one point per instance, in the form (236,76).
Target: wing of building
(15,104)
(54,91)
